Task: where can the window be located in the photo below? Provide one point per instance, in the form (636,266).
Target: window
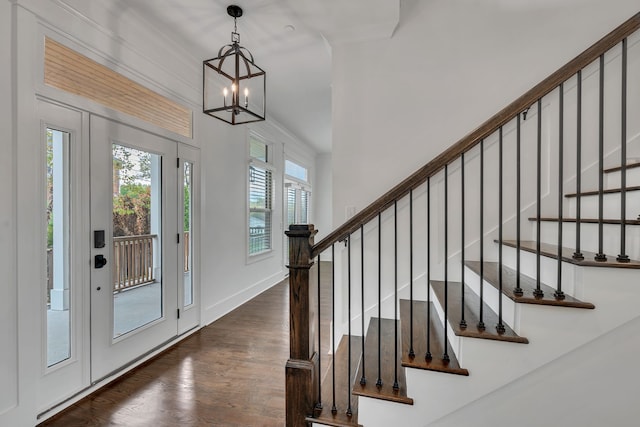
(294,170)
(297,192)
(297,204)
(58,246)
(260,198)
(187,220)
(297,196)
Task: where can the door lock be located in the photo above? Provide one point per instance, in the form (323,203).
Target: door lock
(99,261)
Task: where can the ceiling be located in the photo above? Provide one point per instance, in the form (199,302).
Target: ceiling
(290,39)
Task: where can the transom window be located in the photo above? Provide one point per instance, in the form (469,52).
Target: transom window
(296,171)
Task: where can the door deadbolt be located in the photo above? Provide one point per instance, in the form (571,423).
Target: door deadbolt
(99,261)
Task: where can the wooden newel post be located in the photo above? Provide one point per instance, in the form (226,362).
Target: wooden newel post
(302,366)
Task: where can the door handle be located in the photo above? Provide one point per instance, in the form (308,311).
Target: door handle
(99,261)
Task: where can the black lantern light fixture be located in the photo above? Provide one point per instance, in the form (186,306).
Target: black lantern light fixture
(233,86)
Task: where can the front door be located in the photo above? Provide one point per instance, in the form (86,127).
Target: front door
(134,244)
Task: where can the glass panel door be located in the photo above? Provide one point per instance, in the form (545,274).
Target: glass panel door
(134,284)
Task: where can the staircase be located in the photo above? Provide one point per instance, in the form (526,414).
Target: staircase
(499,266)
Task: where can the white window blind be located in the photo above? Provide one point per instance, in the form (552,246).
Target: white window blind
(260,200)
(304,207)
(291,205)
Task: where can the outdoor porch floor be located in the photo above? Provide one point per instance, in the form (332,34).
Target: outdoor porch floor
(133,308)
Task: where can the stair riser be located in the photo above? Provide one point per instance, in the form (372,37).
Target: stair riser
(612,179)
(589,237)
(548,268)
(589,206)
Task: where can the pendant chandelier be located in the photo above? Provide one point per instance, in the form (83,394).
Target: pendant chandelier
(234,87)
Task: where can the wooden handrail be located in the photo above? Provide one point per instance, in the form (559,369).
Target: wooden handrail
(483,131)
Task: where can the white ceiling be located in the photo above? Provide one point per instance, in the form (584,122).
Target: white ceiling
(290,39)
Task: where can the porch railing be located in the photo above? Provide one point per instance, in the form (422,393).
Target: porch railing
(132,261)
(258,239)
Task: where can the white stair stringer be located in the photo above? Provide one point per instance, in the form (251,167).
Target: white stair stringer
(552,332)
(607,393)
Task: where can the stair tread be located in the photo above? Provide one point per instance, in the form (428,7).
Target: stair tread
(527,284)
(340,418)
(618,168)
(387,367)
(420,340)
(551,251)
(596,192)
(589,220)
(472,314)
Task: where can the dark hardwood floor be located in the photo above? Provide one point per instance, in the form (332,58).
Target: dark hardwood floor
(230,373)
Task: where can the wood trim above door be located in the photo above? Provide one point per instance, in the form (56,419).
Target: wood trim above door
(72,72)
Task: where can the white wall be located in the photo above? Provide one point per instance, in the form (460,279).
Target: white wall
(322,200)
(8,314)
(449,66)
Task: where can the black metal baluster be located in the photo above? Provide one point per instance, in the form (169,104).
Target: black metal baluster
(445,356)
(463,322)
(500,326)
(379,380)
(412,353)
(558,293)
(600,256)
(428,355)
(319,404)
(537,292)
(395,294)
(623,257)
(334,409)
(578,253)
(363,379)
(518,290)
(349,409)
(481,325)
